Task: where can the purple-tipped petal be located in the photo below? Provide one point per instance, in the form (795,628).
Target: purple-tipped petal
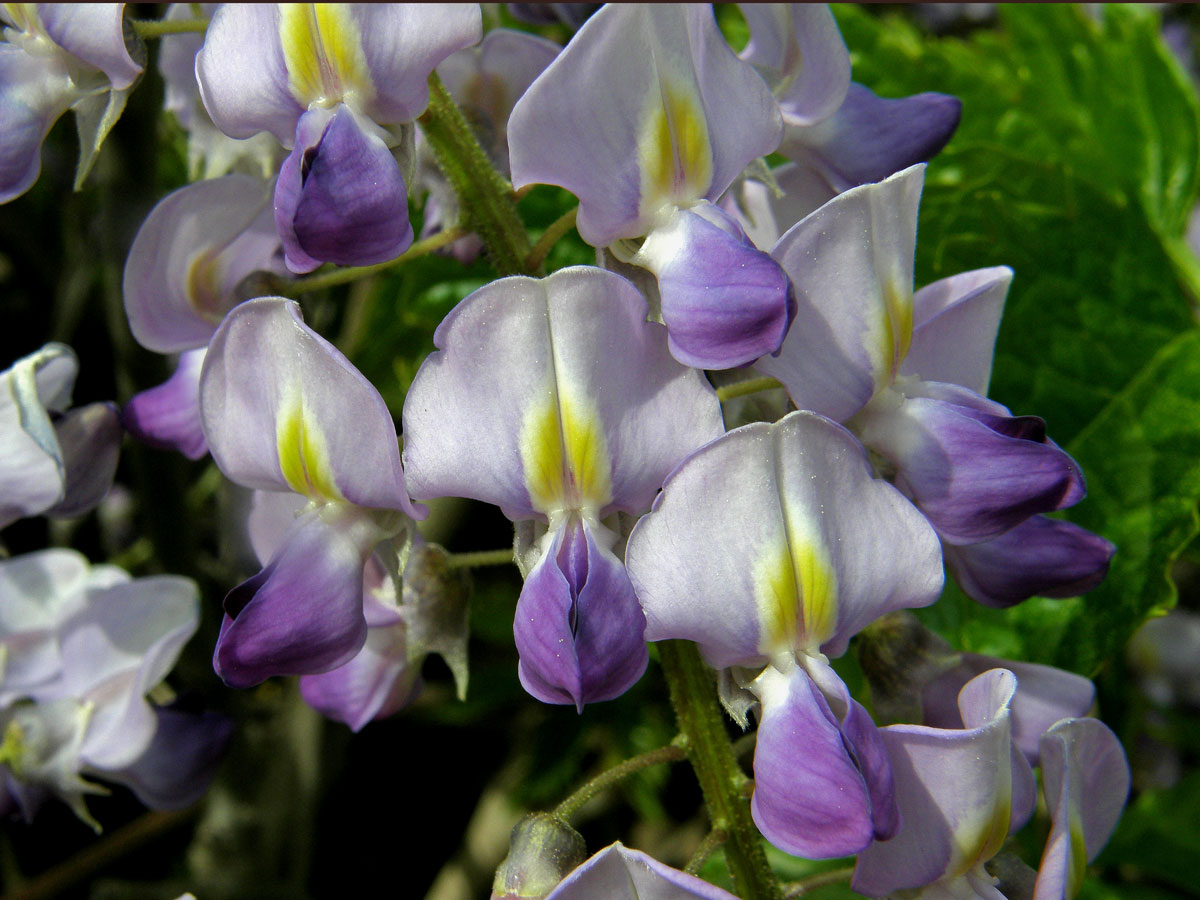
(724,302)
(578,626)
(851,264)
(303,613)
(179,765)
(619,873)
(799,51)
(777,537)
(645,109)
(1039,557)
(340,197)
(1044,695)
(955,793)
(168,416)
(521,357)
(974,473)
(955,321)
(1085,780)
(870,138)
(190,255)
(283,410)
(95,34)
(811,798)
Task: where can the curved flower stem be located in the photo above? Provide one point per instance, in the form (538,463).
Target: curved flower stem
(481,558)
(147,29)
(347,274)
(488,205)
(550,237)
(721,779)
(747,387)
(711,843)
(670,753)
(820,880)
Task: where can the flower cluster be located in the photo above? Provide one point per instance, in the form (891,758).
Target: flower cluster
(582,404)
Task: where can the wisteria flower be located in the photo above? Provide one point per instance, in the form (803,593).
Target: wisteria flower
(647,116)
(283,410)
(558,402)
(328,80)
(773,546)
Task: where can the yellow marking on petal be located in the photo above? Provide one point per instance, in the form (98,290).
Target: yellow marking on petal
(303,455)
(797,594)
(323,52)
(898,315)
(1077,864)
(24,16)
(978,839)
(203,286)
(565,455)
(674,152)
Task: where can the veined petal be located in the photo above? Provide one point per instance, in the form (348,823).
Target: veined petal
(578,626)
(777,537)
(552,395)
(799,51)
(185,264)
(619,873)
(284,410)
(955,321)
(851,264)
(95,34)
(1085,780)
(168,416)
(340,196)
(973,473)
(724,302)
(954,789)
(303,613)
(1039,557)
(869,138)
(811,795)
(646,108)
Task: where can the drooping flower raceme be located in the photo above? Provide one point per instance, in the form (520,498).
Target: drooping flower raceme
(770,548)
(908,373)
(647,116)
(283,410)
(183,274)
(328,80)
(54,57)
(81,647)
(557,401)
(53,459)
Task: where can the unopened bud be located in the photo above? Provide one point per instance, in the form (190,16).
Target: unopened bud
(899,657)
(543,849)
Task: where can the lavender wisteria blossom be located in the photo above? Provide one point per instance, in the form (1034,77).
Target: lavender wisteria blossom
(647,116)
(283,410)
(908,374)
(330,82)
(81,648)
(185,270)
(557,401)
(53,459)
(55,57)
(620,873)
(770,548)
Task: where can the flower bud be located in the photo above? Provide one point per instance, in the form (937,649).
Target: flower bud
(542,850)
(899,656)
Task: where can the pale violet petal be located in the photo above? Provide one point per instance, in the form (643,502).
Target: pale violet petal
(95,34)
(619,873)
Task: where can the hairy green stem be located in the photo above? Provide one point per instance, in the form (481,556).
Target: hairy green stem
(701,721)
(148,29)
(486,198)
(670,753)
(711,843)
(812,882)
(480,558)
(347,274)
(550,237)
(744,388)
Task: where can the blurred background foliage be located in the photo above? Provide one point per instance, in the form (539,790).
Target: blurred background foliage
(1077,163)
